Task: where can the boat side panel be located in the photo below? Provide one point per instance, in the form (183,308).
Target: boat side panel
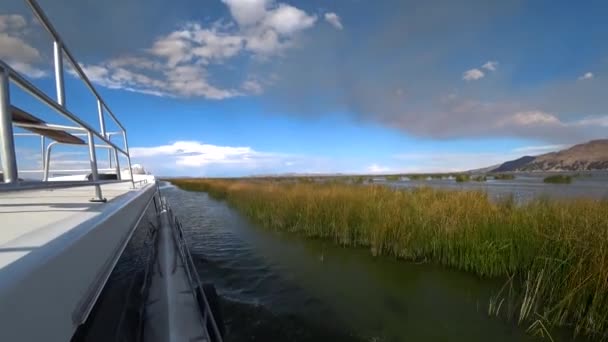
(54,287)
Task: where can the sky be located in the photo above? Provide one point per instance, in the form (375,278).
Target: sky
(250,87)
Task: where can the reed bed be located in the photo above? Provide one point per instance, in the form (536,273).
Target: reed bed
(554,252)
(558,179)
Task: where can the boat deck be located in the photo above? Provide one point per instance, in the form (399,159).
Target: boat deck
(26,211)
(30,218)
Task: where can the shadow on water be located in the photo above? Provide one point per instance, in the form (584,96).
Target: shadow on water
(282,287)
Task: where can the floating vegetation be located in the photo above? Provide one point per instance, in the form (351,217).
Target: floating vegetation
(462,177)
(554,252)
(558,179)
(504,176)
(393,178)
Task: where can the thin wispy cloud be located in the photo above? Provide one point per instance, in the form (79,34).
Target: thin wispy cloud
(490,65)
(586,76)
(477,74)
(541,149)
(334,20)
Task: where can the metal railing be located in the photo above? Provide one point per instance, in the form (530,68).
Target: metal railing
(208,320)
(8,75)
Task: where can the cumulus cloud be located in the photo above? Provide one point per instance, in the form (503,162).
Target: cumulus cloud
(197,157)
(247,12)
(15,50)
(334,20)
(286,19)
(196,154)
(472,75)
(178,63)
(586,76)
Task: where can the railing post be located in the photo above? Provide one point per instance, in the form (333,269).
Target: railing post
(118,176)
(42,146)
(58,53)
(47,161)
(102,126)
(7,140)
(94,175)
(124,136)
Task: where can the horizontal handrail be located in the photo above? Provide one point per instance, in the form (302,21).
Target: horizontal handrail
(49,126)
(50,29)
(66,170)
(25,185)
(30,88)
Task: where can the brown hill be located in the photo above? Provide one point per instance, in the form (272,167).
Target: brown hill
(592,155)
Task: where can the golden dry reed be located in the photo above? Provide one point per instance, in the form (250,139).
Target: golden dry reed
(555,251)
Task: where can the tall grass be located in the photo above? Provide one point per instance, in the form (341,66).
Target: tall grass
(554,252)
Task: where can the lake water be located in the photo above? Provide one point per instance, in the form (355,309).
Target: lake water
(523,188)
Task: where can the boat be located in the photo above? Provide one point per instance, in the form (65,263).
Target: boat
(63,233)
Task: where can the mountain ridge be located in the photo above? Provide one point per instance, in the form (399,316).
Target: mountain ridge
(589,156)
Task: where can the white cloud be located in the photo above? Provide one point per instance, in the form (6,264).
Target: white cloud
(476,74)
(27,69)
(15,50)
(490,65)
(195,43)
(287,19)
(194,154)
(601,121)
(177,64)
(531,118)
(586,76)
(247,12)
(472,75)
(334,20)
(252,87)
(539,149)
(375,168)
(11,22)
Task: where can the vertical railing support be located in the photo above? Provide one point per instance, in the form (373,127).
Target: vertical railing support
(42,146)
(47,161)
(94,174)
(102,126)
(118,175)
(59,86)
(7,139)
(124,136)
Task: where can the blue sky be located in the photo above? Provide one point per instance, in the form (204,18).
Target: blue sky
(242,87)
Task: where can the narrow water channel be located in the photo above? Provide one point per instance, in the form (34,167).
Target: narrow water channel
(282,287)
